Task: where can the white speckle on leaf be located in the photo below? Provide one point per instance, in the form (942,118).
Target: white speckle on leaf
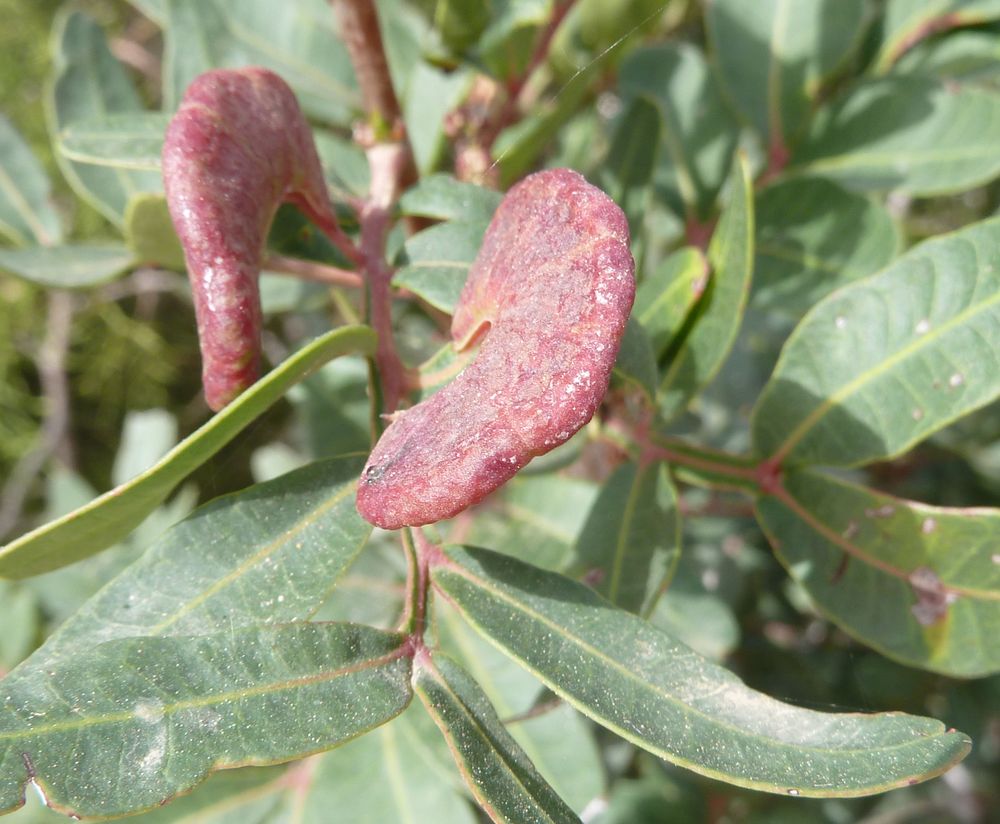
(917,414)
(928,526)
(149,711)
(923,327)
(840,322)
(884,511)
(956,380)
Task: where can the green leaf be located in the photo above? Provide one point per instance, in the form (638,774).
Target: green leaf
(884,362)
(21,619)
(626,173)
(962,57)
(920,584)
(67,267)
(89,84)
(774,56)
(148,718)
(443,197)
(298,40)
(500,775)
(909,21)
(113,515)
(533,517)
(392,774)
(636,362)
(698,132)
(630,544)
(665,298)
(911,133)
(124,141)
(26,211)
(558,740)
(428,96)
(438,261)
(812,238)
(720,309)
(150,233)
(643,685)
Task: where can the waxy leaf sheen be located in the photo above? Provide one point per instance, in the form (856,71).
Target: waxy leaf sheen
(549,295)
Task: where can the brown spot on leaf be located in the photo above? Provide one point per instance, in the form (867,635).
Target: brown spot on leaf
(548,295)
(237,147)
(933,599)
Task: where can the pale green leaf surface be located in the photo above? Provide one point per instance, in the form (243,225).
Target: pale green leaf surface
(20,617)
(962,57)
(911,133)
(630,543)
(636,361)
(884,362)
(774,55)
(443,197)
(127,724)
(640,683)
(90,83)
(536,518)
(124,141)
(298,40)
(813,237)
(666,296)
(27,214)
(428,96)
(500,775)
(437,262)
(113,515)
(72,266)
(907,21)
(720,309)
(558,740)
(698,132)
(390,775)
(918,583)
(626,173)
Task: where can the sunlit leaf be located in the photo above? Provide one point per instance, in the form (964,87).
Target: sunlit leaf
(26,211)
(127,724)
(125,141)
(443,197)
(90,83)
(720,309)
(667,295)
(911,133)
(643,685)
(437,262)
(630,543)
(813,237)
(698,131)
(919,583)
(886,361)
(909,21)
(500,775)
(774,55)
(69,266)
(112,516)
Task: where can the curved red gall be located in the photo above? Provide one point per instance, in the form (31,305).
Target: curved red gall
(549,295)
(237,147)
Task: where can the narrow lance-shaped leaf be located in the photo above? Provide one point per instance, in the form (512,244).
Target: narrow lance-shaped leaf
(26,211)
(631,541)
(499,774)
(636,361)
(773,56)
(109,518)
(91,83)
(910,133)
(648,688)
(125,725)
(551,291)
(667,296)
(884,362)
(918,583)
(627,171)
(716,319)
(237,148)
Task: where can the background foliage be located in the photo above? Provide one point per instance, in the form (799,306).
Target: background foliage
(868,127)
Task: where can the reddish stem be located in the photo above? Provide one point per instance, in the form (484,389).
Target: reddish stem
(311,270)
